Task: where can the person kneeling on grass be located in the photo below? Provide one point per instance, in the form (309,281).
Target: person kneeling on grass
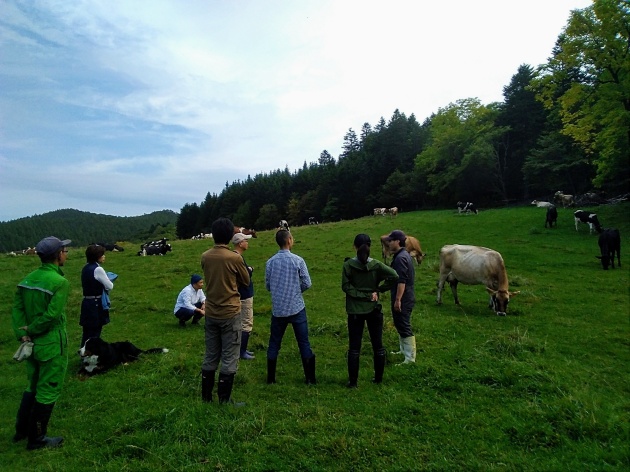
(191,302)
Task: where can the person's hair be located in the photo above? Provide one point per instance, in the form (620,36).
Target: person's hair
(48,258)
(93,253)
(363,243)
(222,230)
(282,237)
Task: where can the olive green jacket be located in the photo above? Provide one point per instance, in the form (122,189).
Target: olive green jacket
(359,281)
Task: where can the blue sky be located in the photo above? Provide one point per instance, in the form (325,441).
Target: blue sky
(124,107)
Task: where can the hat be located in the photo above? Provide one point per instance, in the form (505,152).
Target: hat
(50,245)
(240,237)
(194,279)
(397,235)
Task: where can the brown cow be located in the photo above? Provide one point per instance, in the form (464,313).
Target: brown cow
(475,265)
(242,229)
(411,244)
(393,211)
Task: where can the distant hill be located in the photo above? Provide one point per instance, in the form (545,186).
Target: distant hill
(84,228)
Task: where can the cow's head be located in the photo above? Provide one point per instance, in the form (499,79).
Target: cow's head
(499,300)
(605,258)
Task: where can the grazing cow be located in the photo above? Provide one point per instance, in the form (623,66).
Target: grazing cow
(474,265)
(284,224)
(242,229)
(552,217)
(30,251)
(412,245)
(587,218)
(312,220)
(543,204)
(393,211)
(566,200)
(466,208)
(609,243)
(111,247)
(380,211)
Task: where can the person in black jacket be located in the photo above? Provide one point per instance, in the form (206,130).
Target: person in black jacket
(94,281)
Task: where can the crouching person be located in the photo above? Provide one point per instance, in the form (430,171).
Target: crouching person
(191,302)
(39,316)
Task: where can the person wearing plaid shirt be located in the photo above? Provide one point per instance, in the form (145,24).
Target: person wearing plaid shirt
(286,277)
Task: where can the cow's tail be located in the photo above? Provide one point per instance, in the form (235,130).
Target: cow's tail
(155,350)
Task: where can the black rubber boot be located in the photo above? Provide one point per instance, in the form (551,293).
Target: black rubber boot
(224,390)
(309,370)
(379,365)
(38,427)
(245,355)
(353,368)
(207,384)
(271,370)
(23,416)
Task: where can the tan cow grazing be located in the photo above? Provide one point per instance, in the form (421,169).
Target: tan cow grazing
(411,244)
(566,200)
(475,265)
(393,211)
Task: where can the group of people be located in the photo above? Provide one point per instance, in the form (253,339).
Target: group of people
(226,304)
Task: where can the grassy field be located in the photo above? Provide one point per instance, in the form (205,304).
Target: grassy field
(545,388)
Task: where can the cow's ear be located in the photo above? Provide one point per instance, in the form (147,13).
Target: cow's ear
(491,291)
(512,294)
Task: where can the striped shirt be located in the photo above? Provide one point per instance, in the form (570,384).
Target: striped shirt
(286,277)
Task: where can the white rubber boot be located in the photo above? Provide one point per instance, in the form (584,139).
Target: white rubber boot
(400,351)
(409,349)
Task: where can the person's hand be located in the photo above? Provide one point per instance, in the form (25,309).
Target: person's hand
(397,305)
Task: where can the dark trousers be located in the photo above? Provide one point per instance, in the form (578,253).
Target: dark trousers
(402,322)
(374,323)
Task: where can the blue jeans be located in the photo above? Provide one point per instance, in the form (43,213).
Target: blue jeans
(300,329)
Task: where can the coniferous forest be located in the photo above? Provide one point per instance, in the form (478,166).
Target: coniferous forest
(562,126)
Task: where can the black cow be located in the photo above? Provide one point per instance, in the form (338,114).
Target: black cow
(468,207)
(111,247)
(552,217)
(588,218)
(284,224)
(609,243)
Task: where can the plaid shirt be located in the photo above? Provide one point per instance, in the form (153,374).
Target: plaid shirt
(286,277)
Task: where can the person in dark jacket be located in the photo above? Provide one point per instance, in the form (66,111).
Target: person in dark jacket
(403,297)
(362,279)
(39,316)
(94,281)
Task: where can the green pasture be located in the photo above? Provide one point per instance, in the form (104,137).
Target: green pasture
(545,388)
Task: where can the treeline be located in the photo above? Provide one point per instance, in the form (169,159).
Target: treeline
(84,228)
(563,126)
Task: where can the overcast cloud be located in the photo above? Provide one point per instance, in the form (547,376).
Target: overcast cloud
(126,107)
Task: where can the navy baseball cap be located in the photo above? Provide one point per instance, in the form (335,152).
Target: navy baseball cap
(50,245)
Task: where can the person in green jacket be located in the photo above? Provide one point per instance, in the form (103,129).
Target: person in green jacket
(39,316)
(362,279)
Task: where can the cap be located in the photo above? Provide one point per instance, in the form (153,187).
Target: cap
(195,278)
(397,235)
(50,245)
(240,237)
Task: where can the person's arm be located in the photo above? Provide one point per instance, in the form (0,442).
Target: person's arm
(18,318)
(101,276)
(388,276)
(305,278)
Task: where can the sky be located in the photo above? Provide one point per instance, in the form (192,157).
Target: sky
(125,107)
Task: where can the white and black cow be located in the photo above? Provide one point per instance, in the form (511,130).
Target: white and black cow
(312,220)
(609,243)
(588,218)
(284,224)
(467,207)
(552,217)
(475,265)
(380,211)
(111,247)
(155,248)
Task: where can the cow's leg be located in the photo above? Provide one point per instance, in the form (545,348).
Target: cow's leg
(440,287)
(576,223)
(453,284)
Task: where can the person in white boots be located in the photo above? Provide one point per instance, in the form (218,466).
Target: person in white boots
(402,295)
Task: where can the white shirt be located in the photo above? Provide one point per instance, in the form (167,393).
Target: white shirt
(188,297)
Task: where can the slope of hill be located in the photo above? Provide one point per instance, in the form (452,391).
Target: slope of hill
(84,228)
